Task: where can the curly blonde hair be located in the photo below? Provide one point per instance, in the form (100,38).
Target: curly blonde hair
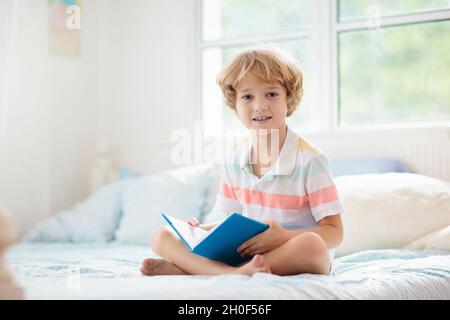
(269,64)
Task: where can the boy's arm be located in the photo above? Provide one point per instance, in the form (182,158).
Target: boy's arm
(330,229)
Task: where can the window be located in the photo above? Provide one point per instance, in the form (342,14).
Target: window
(228,19)
(228,27)
(360,9)
(364,61)
(393,62)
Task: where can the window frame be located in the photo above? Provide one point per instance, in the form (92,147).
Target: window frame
(327,105)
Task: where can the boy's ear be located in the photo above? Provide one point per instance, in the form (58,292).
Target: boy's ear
(289,101)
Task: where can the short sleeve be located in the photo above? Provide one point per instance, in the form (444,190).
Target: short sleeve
(320,189)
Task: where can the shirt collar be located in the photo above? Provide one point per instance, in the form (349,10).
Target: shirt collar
(286,161)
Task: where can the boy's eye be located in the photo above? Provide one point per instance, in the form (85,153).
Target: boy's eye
(272,94)
(247,97)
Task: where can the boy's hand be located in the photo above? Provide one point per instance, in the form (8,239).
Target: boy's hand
(193,222)
(264,242)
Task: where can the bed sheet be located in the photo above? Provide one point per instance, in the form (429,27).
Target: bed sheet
(111,271)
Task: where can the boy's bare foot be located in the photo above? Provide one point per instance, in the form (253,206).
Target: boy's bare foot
(257,264)
(158,267)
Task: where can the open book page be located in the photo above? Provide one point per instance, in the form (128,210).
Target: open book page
(210,231)
(192,235)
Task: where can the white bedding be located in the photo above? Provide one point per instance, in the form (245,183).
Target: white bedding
(393,210)
(111,271)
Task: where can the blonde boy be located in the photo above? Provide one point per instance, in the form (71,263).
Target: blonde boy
(287,183)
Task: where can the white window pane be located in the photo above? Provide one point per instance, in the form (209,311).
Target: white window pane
(233,18)
(360,9)
(395,74)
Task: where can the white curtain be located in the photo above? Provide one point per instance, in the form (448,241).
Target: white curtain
(24,171)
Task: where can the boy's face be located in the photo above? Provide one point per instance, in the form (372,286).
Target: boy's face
(261,105)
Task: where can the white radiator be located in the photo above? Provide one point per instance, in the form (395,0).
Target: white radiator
(425,150)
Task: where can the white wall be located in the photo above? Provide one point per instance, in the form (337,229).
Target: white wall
(132,85)
(73,115)
(146,61)
(49,117)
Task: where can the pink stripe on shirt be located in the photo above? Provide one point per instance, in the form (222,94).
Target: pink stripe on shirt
(322,196)
(270,200)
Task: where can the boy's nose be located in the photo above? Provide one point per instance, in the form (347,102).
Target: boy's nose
(260,105)
(261,109)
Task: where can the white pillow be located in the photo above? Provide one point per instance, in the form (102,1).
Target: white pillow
(391,210)
(436,240)
(95,219)
(178,192)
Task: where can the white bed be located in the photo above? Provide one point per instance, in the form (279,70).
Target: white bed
(397,245)
(111,271)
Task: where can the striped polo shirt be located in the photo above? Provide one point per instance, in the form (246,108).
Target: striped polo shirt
(298,191)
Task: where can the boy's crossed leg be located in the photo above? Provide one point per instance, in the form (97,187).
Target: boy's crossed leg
(305,253)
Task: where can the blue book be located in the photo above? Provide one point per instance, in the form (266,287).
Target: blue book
(221,242)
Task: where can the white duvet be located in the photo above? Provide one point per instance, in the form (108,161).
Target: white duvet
(111,271)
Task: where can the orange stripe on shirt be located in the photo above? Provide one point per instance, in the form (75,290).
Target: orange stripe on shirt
(322,196)
(270,200)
